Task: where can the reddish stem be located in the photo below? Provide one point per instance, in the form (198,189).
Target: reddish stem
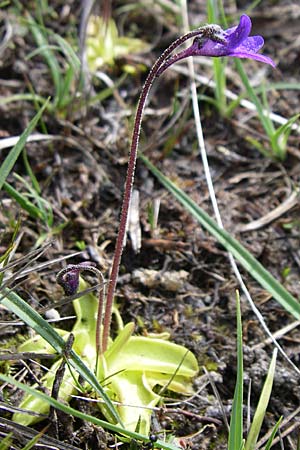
(154,72)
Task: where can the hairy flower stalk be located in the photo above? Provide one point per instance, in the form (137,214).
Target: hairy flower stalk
(210,40)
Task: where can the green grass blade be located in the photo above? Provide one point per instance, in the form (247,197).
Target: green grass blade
(23,97)
(14,153)
(235,439)
(281,85)
(69,53)
(219,64)
(261,275)
(40,51)
(45,209)
(67,82)
(105,93)
(74,412)
(5,444)
(33,441)
(262,406)
(274,431)
(30,173)
(41,41)
(25,204)
(280,137)
(19,307)
(265,120)
(4,258)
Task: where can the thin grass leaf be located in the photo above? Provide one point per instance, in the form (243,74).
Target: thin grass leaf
(23,201)
(68,51)
(30,173)
(23,97)
(41,41)
(262,406)
(220,80)
(14,153)
(278,137)
(106,92)
(33,441)
(260,147)
(219,64)
(5,444)
(253,5)
(274,431)
(4,259)
(61,81)
(234,104)
(43,205)
(265,120)
(66,87)
(73,412)
(261,275)
(41,50)
(19,307)
(281,136)
(282,85)
(235,439)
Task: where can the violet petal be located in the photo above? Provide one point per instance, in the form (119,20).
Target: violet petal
(256,56)
(240,33)
(251,44)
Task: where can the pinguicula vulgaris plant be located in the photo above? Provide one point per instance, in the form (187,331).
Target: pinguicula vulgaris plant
(209,40)
(131,366)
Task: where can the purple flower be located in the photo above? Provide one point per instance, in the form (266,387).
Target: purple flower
(213,41)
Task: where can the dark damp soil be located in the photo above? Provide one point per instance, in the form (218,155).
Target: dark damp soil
(81,174)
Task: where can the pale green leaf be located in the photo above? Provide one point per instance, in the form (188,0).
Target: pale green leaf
(262,406)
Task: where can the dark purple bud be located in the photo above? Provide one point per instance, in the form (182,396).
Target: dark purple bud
(68,278)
